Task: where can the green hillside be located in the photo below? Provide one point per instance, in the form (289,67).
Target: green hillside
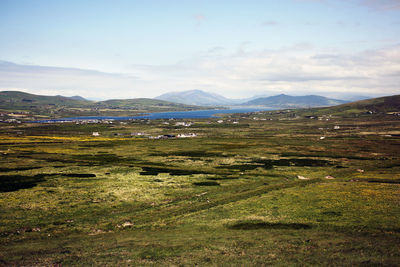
(13,100)
(382,105)
(143,103)
(29,106)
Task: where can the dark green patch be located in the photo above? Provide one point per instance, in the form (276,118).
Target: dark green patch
(293,162)
(385,181)
(206,183)
(192,154)
(270,163)
(18,169)
(242,167)
(79,175)
(156,171)
(222,178)
(295,154)
(332,213)
(254,225)
(10,183)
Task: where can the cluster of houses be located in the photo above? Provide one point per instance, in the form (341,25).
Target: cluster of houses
(80,121)
(322,118)
(183,123)
(11,121)
(90,121)
(170,136)
(222,121)
(164,136)
(13,117)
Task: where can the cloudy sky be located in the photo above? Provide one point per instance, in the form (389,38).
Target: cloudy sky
(104,49)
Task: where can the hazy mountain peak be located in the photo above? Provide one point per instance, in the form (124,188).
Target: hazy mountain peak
(199,97)
(77,97)
(195,97)
(287,101)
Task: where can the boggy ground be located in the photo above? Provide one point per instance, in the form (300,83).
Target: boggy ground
(230,196)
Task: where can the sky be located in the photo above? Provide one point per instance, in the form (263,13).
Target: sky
(102,49)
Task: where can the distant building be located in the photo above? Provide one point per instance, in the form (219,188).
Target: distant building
(185,124)
(137,134)
(186,135)
(95,134)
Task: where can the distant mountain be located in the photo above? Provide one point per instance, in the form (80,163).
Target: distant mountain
(196,97)
(144,104)
(287,101)
(77,97)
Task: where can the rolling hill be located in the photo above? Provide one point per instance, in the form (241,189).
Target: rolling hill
(61,106)
(25,101)
(287,101)
(144,104)
(383,105)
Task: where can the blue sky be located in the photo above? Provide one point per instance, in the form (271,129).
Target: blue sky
(234,48)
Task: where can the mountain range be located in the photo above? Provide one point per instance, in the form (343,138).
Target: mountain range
(61,106)
(198,97)
(40,106)
(287,101)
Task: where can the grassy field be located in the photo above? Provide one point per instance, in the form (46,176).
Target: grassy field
(272,189)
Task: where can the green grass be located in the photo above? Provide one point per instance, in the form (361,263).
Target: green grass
(229,197)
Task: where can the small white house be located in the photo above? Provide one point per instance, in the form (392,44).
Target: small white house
(183,135)
(95,134)
(185,124)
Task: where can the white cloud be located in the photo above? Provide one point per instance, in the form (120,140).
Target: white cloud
(293,70)
(66,81)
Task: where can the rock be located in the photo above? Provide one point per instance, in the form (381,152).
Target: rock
(127,224)
(360,170)
(329,177)
(302,177)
